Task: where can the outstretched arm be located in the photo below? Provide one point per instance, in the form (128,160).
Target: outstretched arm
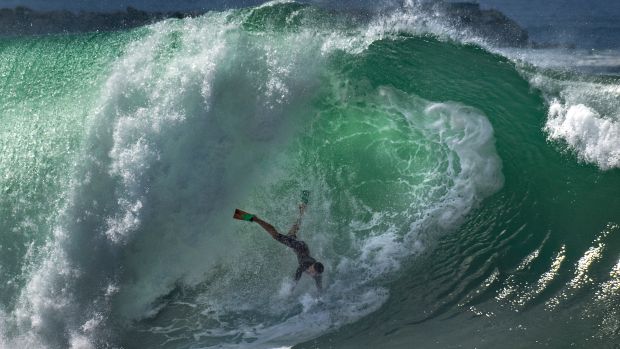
(319,283)
(317,278)
(298,273)
(295,228)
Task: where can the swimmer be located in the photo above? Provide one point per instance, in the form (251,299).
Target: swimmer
(306,262)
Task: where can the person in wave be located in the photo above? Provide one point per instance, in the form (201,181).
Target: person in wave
(306,262)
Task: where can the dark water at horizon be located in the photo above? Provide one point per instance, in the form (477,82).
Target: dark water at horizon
(587,24)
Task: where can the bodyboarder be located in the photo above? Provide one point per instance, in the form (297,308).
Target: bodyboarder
(306,262)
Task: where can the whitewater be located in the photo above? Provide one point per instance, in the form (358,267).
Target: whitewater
(456,187)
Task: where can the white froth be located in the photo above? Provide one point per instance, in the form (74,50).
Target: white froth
(480,166)
(120,225)
(595,138)
(80,342)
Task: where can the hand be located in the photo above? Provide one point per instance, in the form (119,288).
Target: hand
(302,208)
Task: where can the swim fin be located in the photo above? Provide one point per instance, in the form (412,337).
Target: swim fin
(243,216)
(305,196)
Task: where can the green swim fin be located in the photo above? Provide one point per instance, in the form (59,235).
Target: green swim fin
(305,196)
(243,216)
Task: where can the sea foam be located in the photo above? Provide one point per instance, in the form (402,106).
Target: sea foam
(583,114)
(594,138)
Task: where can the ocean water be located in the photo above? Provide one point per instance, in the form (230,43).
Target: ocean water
(462,195)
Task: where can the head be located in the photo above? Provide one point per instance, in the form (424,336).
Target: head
(316,269)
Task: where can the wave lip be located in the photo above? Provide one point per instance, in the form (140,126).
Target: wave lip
(595,139)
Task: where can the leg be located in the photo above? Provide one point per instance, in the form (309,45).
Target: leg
(283,239)
(295,228)
(268,227)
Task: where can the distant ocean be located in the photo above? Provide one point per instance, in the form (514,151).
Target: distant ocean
(462,195)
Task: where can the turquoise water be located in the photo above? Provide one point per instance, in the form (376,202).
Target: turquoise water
(460,196)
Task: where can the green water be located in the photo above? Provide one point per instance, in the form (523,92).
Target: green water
(49,87)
